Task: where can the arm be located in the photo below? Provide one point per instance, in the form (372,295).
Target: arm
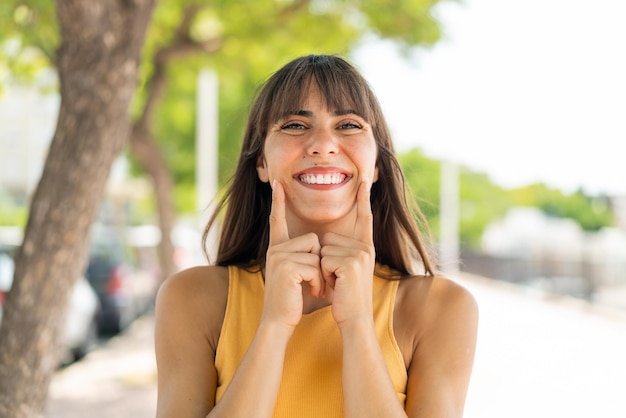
(442,361)
(254,388)
(368,390)
(189,313)
(189,310)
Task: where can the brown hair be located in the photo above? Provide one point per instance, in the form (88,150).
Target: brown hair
(398,225)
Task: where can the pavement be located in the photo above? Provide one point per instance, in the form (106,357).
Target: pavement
(117,379)
(537,356)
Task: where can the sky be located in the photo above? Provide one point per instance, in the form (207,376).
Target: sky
(523,90)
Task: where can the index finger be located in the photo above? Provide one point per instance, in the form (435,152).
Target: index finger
(364,228)
(278,223)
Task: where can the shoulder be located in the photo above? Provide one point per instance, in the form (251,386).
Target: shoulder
(199,281)
(431,295)
(427,304)
(205,285)
(195,298)
(438,329)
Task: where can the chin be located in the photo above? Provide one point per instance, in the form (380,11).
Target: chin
(326,217)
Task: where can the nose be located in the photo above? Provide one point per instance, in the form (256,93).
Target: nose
(322,142)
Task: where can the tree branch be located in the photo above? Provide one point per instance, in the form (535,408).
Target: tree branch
(182,46)
(293,8)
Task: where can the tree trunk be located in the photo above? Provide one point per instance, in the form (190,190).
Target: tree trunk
(148,154)
(97,63)
(143,143)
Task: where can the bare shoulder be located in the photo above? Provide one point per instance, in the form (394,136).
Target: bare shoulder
(199,281)
(427,303)
(195,297)
(430,295)
(189,313)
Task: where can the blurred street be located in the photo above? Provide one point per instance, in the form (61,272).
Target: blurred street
(537,356)
(117,379)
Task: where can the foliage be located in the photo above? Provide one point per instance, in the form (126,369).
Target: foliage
(13,216)
(592,213)
(28,39)
(250,38)
(254,38)
(480,200)
(422,175)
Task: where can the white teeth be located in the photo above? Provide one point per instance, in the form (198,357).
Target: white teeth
(322,178)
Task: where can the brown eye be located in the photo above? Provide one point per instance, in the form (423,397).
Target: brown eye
(350,125)
(293,125)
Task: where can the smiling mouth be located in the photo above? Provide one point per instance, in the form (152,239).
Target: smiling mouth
(335,178)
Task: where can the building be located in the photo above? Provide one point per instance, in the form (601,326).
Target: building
(27,122)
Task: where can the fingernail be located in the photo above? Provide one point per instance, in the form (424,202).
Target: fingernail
(273,184)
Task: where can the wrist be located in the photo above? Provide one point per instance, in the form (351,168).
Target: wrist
(357,326)
(275,331)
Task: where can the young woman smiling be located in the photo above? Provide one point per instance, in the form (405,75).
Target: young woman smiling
(323,300)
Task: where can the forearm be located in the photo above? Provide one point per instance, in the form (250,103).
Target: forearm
(367,387)
(254,388)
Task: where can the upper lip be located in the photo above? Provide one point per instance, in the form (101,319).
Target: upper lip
(322,170)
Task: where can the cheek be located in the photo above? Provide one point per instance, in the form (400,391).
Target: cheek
(276,159)
(371,162)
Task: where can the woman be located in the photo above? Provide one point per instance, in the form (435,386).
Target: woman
(323,301)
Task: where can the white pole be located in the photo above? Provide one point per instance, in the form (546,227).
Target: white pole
(449,218)
(207,149)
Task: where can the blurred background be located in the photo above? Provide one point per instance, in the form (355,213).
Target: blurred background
(508,119)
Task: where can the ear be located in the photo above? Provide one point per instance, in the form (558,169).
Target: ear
(261,169)
(375,179)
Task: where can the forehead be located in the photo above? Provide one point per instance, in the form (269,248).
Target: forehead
(333,95)
(314,100)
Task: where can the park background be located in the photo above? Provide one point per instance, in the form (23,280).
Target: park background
(524,100)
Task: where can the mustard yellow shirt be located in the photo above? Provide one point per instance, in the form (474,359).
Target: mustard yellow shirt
(311,383)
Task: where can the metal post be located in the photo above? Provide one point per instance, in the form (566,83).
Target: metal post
(449,218)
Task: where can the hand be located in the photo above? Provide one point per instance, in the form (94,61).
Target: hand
(348,264)
(289,262)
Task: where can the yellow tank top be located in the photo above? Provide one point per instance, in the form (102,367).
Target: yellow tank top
(311,383)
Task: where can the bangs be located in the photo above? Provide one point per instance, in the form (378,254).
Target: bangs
(340,87)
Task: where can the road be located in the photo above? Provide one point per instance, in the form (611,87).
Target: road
(537,356)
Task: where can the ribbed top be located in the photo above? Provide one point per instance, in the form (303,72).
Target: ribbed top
(311,384)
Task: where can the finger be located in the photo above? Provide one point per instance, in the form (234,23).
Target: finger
(363,230)
(316,284)
(307,247)
(307,243)
(304,267)
(278,223)
(328,275)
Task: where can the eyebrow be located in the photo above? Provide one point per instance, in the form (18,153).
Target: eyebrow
(308,113)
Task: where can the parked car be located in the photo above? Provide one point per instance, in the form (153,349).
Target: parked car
(82,322)
(124,281)
(80,332)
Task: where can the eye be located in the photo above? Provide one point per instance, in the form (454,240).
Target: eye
(293,126)
(350,125)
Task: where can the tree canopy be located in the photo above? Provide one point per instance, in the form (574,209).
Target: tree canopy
(242,41)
